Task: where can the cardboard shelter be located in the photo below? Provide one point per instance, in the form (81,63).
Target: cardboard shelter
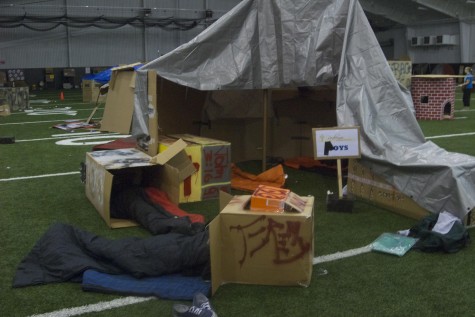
(265,46)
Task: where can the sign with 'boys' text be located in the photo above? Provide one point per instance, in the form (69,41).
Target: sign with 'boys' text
(334,143)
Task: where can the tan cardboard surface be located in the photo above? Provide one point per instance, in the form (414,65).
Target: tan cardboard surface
(104,168)
(119,106)
(98,190)
(364,184)
(253,247)
(212,160)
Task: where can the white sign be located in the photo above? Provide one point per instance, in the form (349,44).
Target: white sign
(334,143)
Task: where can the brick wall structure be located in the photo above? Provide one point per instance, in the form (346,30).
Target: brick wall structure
(433,96)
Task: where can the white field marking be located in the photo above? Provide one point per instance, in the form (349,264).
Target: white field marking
(37,176)
(341,255)
(449,135)
(48,121)
(101,306)
(50,112)
(76,141)
(73,136)
(66,135)
(29,111)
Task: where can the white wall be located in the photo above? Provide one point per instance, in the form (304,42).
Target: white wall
(434,54)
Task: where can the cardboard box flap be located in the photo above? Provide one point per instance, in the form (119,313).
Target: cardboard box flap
(125,67)
(163,157)
(117,69)
(224,199)
(198,139)
(175,156)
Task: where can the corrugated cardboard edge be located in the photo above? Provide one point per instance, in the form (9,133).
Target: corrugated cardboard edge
(215,247)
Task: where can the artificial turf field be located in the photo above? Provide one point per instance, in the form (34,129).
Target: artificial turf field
(370,284)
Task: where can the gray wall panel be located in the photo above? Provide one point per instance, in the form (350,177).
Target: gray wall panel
(98,47)
(23,48)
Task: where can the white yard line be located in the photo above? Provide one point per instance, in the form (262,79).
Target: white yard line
(95,135)
(449,135)
(341,255)
(101,306)
(49,121)
(36,176)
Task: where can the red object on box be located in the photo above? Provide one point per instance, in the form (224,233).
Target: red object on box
(268,198)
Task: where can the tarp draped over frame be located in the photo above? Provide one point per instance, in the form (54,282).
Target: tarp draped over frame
(265,44)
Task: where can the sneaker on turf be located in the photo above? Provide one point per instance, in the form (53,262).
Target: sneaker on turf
(201,301)
(180,310)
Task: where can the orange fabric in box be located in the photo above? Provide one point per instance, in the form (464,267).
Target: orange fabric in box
(268,198)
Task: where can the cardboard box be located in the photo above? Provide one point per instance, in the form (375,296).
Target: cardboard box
(91,90)
(212,160)
(364,184)
(86,86)
(119,108)
(106,169)
(252,247)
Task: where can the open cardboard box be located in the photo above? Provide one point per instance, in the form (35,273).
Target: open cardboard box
(106,169)
(258,247)
(212,160)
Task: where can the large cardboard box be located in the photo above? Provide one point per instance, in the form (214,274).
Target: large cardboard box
(119,108)
(86,86)
(91,91)
(364,184)
(212,160)
(253,247)
(107,169)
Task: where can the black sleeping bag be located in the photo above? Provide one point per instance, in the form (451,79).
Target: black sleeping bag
(132,203)
(64,252)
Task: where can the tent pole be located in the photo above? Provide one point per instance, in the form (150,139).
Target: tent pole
(340,180)
(264,128)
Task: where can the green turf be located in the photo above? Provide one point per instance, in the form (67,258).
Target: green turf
(372,284)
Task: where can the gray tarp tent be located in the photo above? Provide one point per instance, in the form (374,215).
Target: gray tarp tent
(262,44)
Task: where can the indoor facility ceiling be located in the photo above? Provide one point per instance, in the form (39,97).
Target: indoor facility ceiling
(387,14)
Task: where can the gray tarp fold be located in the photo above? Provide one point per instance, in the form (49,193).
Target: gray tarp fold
(265,44)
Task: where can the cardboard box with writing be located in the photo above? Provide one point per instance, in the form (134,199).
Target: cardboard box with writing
(252,247)
(364,184)
(212,160)
(91,91)
(107,169)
